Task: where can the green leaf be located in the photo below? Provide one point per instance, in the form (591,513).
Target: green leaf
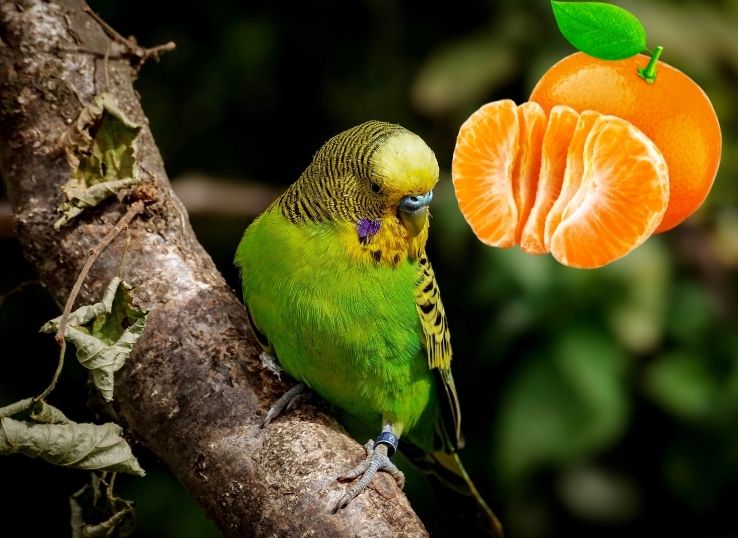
(104,334)
(683,384)
(64,442)
(601,30)
(562,406)
(101,152)
(97,513)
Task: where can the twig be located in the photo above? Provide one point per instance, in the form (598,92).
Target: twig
(158,50)
(105,66)
(57,372)
(109,485)
(125,220)
(134,48)
(125,251)
(110,30)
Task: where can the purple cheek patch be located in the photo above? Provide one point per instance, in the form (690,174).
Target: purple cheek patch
(367,228)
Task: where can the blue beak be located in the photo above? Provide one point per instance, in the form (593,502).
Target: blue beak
(413,212)
(412,204)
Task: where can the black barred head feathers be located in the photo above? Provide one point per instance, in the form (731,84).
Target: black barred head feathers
(362,173)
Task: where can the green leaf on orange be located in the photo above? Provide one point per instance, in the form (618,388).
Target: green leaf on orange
(599,29)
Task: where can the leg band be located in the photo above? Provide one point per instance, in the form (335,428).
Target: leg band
(390,439)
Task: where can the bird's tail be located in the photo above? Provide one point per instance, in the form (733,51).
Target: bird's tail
(447,469)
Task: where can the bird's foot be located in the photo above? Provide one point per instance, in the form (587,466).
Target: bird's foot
(269,362)
(286,402)
(377,459)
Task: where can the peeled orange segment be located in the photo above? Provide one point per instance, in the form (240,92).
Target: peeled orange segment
(572,174)
(623,195)
(588,187)
(482,172)
(556,138)
(532,123)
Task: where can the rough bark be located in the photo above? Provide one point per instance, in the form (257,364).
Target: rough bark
(193,390)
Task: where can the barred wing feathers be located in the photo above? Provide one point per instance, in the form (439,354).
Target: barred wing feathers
(437,339)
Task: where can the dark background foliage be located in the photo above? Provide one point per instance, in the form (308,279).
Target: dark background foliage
(595,402)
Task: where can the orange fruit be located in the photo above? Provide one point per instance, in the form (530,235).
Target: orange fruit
(587,187)
(673,112)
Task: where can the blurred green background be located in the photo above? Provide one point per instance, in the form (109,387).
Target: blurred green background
(597,403)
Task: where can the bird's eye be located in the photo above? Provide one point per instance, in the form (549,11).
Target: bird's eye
(376,189)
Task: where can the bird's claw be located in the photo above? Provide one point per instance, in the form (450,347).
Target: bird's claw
(285,403)
(269,362)
(376,460)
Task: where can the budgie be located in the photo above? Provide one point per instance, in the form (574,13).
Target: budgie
(339,288)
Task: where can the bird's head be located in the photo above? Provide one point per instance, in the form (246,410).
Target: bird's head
(368,173)
(403,172)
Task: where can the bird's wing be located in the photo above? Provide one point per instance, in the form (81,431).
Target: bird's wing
(261,338)
(437,338)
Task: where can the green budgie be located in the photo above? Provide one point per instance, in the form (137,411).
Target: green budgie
(339,288)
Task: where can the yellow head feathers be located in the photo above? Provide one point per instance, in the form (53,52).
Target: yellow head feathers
(404,165)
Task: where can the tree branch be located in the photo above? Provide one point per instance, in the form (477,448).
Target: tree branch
(193,390)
